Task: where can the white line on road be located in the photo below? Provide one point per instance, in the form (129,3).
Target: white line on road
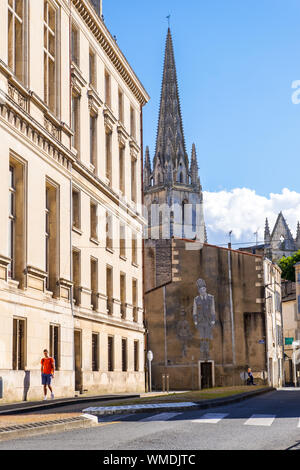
(260,420)
(210,418)
(161,417)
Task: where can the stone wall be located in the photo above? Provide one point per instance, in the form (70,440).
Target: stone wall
(238,335)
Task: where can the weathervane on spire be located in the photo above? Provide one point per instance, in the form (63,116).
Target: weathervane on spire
(169,16)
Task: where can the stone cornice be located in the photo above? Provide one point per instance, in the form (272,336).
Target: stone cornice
(103,36)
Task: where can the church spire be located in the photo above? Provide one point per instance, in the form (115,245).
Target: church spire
(297,240)
(147,168)
(194,167)
(267,232)
(170,143)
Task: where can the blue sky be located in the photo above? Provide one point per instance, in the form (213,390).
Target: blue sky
(236,61)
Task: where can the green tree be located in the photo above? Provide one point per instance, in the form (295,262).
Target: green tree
(287,264)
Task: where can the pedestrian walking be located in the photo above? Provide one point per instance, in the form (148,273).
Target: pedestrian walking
(250,380)
(47,370)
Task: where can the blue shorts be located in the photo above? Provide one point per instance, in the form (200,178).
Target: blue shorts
(46,379)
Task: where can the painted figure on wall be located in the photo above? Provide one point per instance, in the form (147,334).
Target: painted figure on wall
(204,316)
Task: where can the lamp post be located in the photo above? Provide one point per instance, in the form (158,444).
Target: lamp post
(150,359)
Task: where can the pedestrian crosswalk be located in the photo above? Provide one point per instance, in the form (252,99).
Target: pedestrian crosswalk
(257,419)
(210,418)
(260,420)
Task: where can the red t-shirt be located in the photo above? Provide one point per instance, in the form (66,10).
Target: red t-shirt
(47,365)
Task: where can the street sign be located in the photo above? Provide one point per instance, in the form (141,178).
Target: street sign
(288,341)
(261,341)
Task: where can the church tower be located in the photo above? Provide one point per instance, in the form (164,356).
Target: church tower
(172,190)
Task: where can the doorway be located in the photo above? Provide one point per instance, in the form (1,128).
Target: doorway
(206,374)
(78,360)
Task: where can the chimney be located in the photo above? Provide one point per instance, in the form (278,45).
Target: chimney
(97,4)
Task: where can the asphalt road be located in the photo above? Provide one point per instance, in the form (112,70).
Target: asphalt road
(266,422)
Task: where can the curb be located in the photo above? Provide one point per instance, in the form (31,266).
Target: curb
(34,429)
(118,410)
(17,408)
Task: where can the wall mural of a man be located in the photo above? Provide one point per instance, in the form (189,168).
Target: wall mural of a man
(204,317)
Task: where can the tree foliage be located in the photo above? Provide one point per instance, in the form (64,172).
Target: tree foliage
(287,264)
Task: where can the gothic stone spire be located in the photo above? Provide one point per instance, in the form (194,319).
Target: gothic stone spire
(267,232)
(170,143)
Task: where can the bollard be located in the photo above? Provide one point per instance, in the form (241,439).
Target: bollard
(163,383)
(168,377)
(1,387)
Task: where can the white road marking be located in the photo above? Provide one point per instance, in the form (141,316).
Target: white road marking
(298,423)
(210,418)
(260,420)
(161,417)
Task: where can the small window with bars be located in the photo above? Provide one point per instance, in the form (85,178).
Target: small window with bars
(95,351)
(136,356)
(19,344)
(54,344)
(124,354)
(110,359)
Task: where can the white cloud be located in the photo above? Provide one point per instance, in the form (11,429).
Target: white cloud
(244,212)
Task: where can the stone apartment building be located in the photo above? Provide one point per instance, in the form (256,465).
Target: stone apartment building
(274,324)
(291,322)
(70,199)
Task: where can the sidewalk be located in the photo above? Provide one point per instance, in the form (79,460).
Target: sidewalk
(27,406)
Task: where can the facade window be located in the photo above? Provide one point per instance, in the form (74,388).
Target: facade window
(94,283)
(19,344)
(75,45)
(110,353)
(108,157)
(132,122)
(95,352)
(76,275)
(93,142)
(93,221)
(75,122)
(16,37)
(92,69)
(134,248)
(50,55)
(134,299)
(124,354)
(136,356)
(121,106)
(12,222)
(122,169)
(133,179)
(51,236)
(122,241)
(123,295)
(107,91)
(16,221)
(54,339)
(109,289)
(76,208)
(109,231)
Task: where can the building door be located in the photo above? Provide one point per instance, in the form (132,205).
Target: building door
(78,360)
(206,375)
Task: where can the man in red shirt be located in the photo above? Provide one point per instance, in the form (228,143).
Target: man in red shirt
(47,370)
